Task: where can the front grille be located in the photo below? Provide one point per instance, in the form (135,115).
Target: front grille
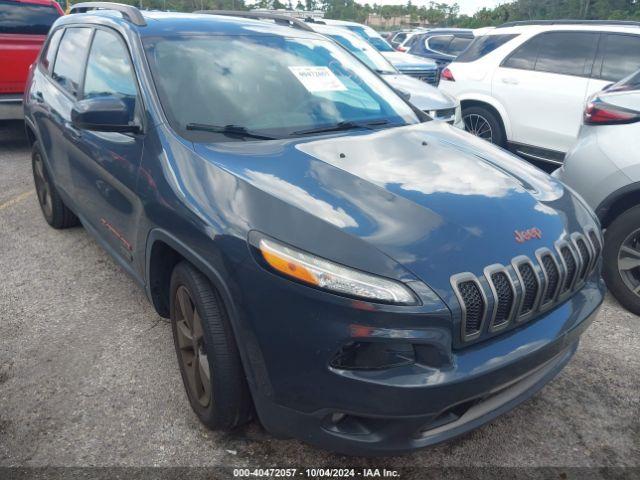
(570,264)
(541,285)
(505,299)
(530,284)
(473,304)
(429,76)
(553,277)
(585,255)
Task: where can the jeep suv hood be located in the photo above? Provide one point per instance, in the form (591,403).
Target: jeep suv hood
(437,200)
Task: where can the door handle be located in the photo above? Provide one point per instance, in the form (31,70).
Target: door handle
(510,81)
(39,97)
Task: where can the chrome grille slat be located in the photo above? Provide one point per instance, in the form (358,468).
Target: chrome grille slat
(504,294)
(583,252)
(512,294)
(470,279)
(530,284)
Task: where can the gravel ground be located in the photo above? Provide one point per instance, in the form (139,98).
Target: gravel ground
(88,375)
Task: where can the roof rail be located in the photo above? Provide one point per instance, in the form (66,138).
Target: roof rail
(627,23)
(278,18)
(128,12)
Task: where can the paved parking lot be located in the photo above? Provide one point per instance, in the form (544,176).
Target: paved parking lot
(88,374)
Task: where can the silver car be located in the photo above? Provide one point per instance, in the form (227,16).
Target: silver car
(436,103)
(604,167)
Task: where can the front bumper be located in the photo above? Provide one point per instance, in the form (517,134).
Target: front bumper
(11,107)
(296,330)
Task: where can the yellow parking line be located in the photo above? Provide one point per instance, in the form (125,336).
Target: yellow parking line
(16,199)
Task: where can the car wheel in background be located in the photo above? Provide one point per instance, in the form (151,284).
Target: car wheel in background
(55,212)
(622,259)
(483,123)
(207,354)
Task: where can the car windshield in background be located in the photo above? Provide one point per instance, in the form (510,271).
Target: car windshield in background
(482,46)
(372,37)
(22,18)
(244,87)
(367,54)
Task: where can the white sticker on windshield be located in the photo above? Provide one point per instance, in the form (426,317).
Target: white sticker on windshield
(318,79)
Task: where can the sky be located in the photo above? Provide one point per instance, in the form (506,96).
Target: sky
(468,7)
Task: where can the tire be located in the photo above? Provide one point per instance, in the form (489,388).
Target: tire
(474,119)
(620,282)
(226,404)
(55,212)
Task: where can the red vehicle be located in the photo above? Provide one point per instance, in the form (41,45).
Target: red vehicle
(24,25)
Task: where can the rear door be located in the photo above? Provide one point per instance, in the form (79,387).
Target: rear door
(105,168)
(543,85)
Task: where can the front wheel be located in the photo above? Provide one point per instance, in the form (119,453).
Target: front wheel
(207,354)
(55,212)
(621,257)
(483,123)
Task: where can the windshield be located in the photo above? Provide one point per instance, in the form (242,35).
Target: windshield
(267,86)
(371,36)
(367,54)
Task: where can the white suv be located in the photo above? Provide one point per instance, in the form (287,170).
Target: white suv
(524,85)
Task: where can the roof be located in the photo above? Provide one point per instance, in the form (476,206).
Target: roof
(174,23)
(444,31)
(538,28)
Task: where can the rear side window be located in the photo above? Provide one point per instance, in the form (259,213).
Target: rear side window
(399,38)
(565,53)
(439,43)
(411,41)
(482,46)
(67,70)
(24,18)
(458,45)
(620,56)
(52,48)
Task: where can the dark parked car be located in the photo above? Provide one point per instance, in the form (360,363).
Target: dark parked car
(441,44)
(332,262)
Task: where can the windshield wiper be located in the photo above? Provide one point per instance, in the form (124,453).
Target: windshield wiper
(341,126)
(230,130)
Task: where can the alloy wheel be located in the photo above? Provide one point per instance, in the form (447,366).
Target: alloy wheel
(192,352)
(629,262)
(43,188)
(479,126)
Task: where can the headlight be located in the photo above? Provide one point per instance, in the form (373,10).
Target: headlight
(330,276)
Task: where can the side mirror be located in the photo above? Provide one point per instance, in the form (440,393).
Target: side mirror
(104,114)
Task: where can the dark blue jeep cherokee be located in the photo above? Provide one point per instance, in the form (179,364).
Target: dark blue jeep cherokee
(332,262)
